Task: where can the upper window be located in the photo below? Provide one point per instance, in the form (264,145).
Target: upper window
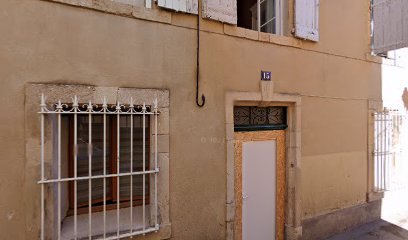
(270,16)
(263,15)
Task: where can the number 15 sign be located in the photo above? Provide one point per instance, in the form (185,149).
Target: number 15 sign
(266,76)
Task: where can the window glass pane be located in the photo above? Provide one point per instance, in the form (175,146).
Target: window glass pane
(82,191)
(97,192)
(268,16)
(137,188)
(97,157)
(137,143)
(269,27)
(111,163)
(137,153)
(97,145)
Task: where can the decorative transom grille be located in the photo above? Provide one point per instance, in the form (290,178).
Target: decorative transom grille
(111,171)
(258,118)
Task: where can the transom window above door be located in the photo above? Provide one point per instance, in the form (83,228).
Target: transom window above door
(252,118)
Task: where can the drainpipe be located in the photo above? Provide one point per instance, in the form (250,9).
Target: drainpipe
(198,60)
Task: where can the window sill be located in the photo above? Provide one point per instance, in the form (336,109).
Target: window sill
(235,31)
(159,15)
(374,58)
(232,30)
(67,231)
(122,9)
(375,196)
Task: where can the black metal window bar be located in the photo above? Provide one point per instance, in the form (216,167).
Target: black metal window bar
(252,118)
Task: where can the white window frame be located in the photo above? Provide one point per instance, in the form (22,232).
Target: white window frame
(256,10)
(46,212)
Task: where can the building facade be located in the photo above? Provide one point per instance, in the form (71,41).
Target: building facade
(321,73)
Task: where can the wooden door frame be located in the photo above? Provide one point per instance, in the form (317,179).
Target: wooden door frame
(266,97)
(279,137)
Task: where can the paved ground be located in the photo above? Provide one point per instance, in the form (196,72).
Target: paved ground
(395,207)
(394,214)
(378,230)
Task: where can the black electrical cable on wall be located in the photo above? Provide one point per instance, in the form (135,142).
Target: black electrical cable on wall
(198,61)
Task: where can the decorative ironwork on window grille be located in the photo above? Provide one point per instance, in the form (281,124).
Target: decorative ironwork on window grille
(251,118)
(94,166)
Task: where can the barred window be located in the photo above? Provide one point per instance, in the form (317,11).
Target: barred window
(105,174)
(111,161)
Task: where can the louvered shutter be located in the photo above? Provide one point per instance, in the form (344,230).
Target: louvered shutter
(188,6)
(307,19)
(390,25)
(221,10)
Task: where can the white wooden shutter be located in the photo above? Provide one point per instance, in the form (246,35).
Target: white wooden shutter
(221,10)
(390,25)
(307,19)
(188,6)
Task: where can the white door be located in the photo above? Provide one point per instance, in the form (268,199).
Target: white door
(258,190)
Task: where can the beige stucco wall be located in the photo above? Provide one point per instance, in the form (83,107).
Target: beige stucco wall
(45,42)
